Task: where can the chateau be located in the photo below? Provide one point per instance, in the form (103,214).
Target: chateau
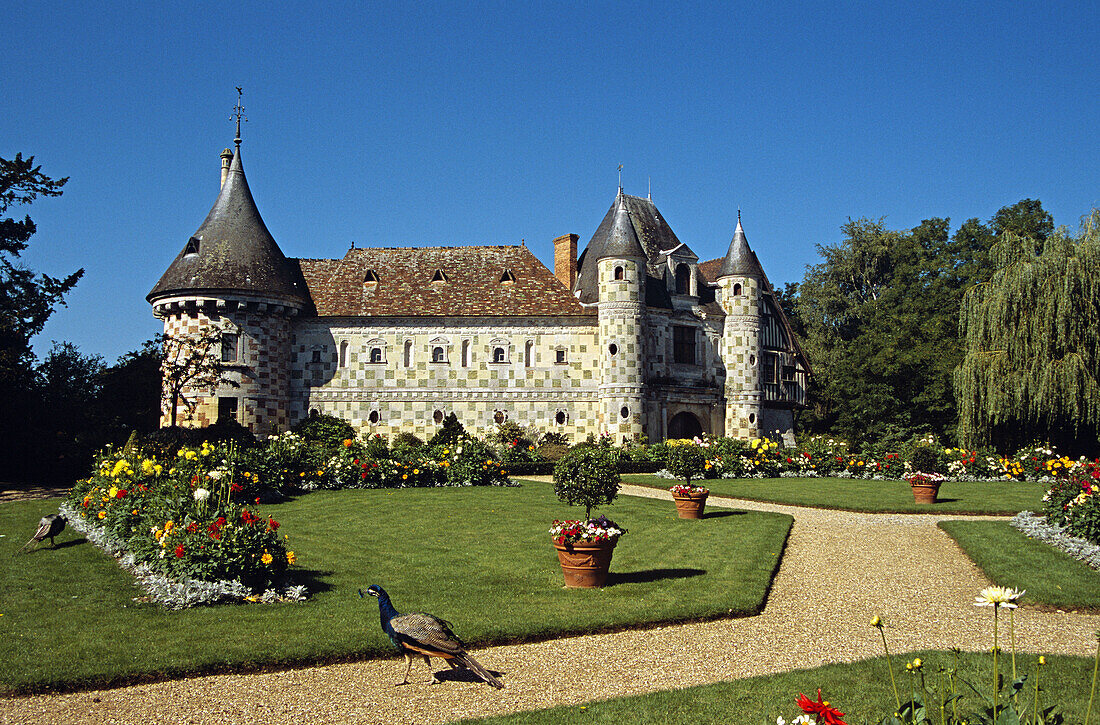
(634,337)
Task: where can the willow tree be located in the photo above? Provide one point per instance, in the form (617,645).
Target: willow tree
(1032,356)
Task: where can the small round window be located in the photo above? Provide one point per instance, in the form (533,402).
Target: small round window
(752,359)
(613,348)
(560,417)
(438,417)
(499,417)
(752,417)
(374,417)
(624,412)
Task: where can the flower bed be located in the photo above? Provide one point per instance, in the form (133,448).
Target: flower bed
(181,528)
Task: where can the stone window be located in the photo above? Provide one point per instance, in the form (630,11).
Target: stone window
(683,279)
(683,344)
(613,349)
(343,353)
(624,412)
(230,347)
(560,356)
(529,354)
(408,353)
(560,418)
(465,353)
(499,416)
(620,273)
(737,290)
(227,409)
(437,355)
(498,355)
(316,356)
(376,354)
(438,417)
(374,417)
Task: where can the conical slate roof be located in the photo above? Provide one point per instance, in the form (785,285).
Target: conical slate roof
(232,252)
(740,261)
(650,232)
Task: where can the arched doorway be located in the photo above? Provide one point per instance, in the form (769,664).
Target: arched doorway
(684,425)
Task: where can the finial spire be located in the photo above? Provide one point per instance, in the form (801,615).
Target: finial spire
(620,178)
(238,112)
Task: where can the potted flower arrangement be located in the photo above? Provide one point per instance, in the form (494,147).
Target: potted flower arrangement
(686,460)
(925,485)
(588,477)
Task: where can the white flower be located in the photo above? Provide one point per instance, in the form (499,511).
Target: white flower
(201,494)
(998,597)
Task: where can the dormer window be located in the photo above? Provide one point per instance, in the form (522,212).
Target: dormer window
(371,277)
(507,277)
(683,280)
(437,354)
(192,246)
(737,290)
(498,355)
(439,276)
(619,273)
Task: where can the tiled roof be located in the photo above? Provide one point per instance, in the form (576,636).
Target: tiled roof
(473,285)
(709,269)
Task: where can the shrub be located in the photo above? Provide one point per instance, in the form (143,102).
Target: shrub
(328,431)
(551,438)
(925,459)
(552,451)
(449,434)
(588,477)
(407,440)
(685,460)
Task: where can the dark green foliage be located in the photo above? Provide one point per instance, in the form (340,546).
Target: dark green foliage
(879,317)
(587,477)
(552,451)
(26,302)
(685,461)
(407,440)
(449,433)
(1056,503)
(925,460)
(1032,364)
(551,438)
(328,431)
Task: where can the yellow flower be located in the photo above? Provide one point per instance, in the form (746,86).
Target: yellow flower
(102,514)
(112,492)
(1042,660)
(266,558)
(876,621)
(291,558)
(404,476)
(416,471)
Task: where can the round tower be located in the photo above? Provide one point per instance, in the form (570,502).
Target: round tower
(232,277)
(621,269)
(739,282)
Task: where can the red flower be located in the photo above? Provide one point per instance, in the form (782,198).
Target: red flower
(122,493)
(272,524)
(179,551)
(192,527)
(235,487)
(824,712)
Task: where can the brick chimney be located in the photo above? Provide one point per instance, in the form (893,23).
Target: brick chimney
(565,259)
(227,157)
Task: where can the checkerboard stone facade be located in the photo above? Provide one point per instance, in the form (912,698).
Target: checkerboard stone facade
(406,390)
(741,352)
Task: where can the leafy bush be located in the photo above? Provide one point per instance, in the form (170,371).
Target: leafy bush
(325,430)
(925,459)
(449,434)
(685,460)
(587,476)
(552,438)
(552,451)
(407,440)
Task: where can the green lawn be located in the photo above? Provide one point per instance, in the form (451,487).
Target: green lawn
(1008,558)
(861,690)
(852,494)
(480,557)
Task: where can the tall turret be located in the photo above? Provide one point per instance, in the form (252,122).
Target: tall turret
(231,274)
(621,272)
(739,280)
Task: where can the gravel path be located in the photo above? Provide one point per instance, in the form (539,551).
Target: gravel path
(840,568)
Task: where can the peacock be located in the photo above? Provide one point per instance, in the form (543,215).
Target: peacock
(419,633)
(48,527)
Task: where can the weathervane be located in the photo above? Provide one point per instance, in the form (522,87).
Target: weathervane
(238,112)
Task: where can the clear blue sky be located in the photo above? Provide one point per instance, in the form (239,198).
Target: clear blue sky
(484,123)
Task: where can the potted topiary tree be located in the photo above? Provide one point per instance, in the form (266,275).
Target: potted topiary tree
(686,460)
(923,475)
(586,476)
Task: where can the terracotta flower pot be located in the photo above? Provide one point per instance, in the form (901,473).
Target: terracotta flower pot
(925,492)
(690,506)
(585,565)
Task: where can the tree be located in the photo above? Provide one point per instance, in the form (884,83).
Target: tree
(26,302)
(1032,358)
(1027,219)
(130,391)
(68,429)
(190,363)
